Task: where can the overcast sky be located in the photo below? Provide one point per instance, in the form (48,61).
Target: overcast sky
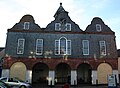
(80,11)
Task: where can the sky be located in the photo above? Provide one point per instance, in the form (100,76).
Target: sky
(80,11)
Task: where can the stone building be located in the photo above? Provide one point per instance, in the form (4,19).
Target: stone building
(61,52)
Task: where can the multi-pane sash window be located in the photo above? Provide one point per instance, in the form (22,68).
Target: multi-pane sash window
(20,47)
(26,25)
(62,27)
(102,48)
(98,27)
(57,26)
(62,46)
(56,47)
(39,46)
(68,27)
(85,47)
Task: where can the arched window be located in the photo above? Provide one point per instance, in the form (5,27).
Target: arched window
(63,46)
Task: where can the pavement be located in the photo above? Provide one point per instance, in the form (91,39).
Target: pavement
(83,86)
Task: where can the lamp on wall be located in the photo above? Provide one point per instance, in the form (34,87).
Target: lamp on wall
(65,57)
(48,54)
(32,55)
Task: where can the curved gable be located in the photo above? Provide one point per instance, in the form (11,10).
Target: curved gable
(27,22)
(98,26)
(63,21)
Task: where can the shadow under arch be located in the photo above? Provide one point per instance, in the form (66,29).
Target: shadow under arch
(40,73)
(84,72)
(62,73)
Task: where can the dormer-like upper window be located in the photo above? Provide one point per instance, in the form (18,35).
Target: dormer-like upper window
(62,27)
(98,27)
(68,27)
(26,25)
(57,26)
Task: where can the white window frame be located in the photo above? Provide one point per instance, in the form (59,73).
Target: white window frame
(56,25)
(26,25)
(68,46)
(102,44)
(66,53)
(40,46)
(84,47)
(68,24)
(22,51)
(98,27)
(57,47)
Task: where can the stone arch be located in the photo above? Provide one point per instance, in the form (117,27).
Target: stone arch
(18,69)
(63,73)
(102,72)
(84,72)
(40,73)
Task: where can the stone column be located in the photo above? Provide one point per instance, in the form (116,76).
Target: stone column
(5,73)
(51,78)
(29,76)
(94,77)
(73,77)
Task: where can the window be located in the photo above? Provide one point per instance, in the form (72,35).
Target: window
(62,27)
(56,47)
(85,47)
(98,27)
(102,48)
(20,47)
(26,25)
(68,27)
(57,26)
(39,46)
(62,46)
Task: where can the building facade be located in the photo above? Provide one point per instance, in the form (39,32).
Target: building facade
(61,52)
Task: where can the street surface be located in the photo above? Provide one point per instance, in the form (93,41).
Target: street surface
(61,86)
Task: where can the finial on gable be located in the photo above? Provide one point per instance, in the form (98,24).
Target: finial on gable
(60,3)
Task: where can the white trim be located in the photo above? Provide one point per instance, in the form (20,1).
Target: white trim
(83,43)
(40,46)
(22,46)
(26,25)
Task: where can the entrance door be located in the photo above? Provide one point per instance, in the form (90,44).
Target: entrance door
(84,74)
(63,73)
(40,73)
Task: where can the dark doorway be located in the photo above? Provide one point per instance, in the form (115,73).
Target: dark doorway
(63,73)
(84,73)
(40,73)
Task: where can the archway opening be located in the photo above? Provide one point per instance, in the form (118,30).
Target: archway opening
(18,70)
(102,73)
(84,72)
(63,73)
(40,73)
